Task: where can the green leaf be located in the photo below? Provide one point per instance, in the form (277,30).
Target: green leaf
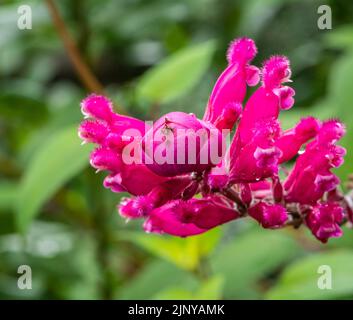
(156,277)
(186,253)
(341,97)
(8,192)
(58,160)
(174,293)
(177,74)
(249,257)
(211,289)
(340,38)
(300,280)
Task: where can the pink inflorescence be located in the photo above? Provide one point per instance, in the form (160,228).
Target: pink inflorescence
(191,193)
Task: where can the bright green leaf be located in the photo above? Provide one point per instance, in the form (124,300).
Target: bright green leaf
(58,159)
(300,280)
(156,277)
(174,293)
(177,74)
(184,252)
(211,289)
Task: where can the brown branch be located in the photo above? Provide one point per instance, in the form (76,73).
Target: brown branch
(82,69)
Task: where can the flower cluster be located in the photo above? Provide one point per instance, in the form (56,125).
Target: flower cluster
(178,185)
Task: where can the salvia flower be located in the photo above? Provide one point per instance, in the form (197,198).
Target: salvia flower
(183,180)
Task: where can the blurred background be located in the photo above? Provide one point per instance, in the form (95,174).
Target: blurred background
(152,57)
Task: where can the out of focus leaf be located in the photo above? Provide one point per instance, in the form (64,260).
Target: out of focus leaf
(250,257)
(300,280)
(53,252)
(10,290)
(209,290)
(55,162)
(22,110)
(340,38)
(256,13)
(8,192)
(346,241)
(177,74)
(174,293)
(155,277)
(341,97)
(45,240)
(184,252)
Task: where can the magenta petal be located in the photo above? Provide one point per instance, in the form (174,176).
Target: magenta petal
(292,140)
(270,216)
(231,85)
(179,143)
(324,220)
(186,218)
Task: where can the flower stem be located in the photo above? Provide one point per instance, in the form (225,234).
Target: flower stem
(87,77)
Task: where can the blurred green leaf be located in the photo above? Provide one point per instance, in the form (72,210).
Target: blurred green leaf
(186,253)
(8,192)
(10,290)
(155,277)
(340,38)
(57,160)
(341,97)
(211,289)
(250,257)
(21,109)
(300,280)
(177,74)
(174,293)
(346,241)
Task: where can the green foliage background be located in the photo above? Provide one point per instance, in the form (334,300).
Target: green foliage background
(153,56)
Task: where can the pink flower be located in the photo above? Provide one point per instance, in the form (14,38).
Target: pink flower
(270,216)
(186,218)
(324,221)
(311,176)
(108,130)
(179,143)
(267,101)
(257,159)
(174,188)
(292,140)
(183,181)
(230,88)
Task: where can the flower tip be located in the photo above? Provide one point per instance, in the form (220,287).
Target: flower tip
(331,131)
(92,131)
(271,216)
(133,208)
(97,106)
(308,128)
(276,71)
(243,49)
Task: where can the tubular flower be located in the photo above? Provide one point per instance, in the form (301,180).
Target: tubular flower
(311,176)
(185,218)
(184,181)
(270,216)
(324,221)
